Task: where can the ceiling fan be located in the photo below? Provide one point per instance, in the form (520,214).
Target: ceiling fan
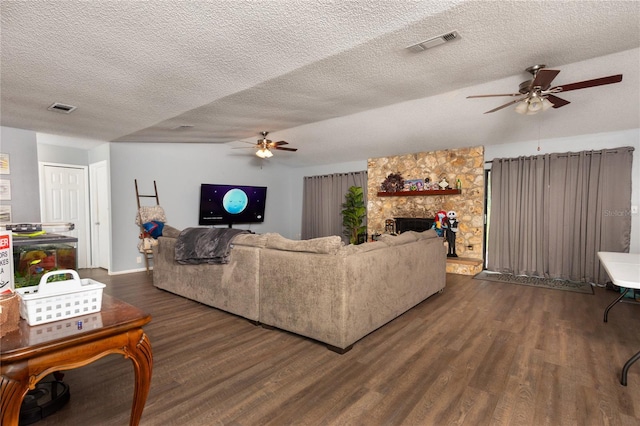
(264,146)
(537,95)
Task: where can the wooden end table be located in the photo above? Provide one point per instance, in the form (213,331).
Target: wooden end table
(30,353)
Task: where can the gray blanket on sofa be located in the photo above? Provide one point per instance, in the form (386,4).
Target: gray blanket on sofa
(205,245)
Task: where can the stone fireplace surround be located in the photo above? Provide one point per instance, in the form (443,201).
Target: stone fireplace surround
(466,164)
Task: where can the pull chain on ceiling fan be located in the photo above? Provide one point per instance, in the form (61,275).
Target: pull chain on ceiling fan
(536,95)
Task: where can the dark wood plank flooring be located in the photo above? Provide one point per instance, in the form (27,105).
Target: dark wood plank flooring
(481,353)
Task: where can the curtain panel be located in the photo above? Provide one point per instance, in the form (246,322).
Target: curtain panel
(322,200)
(551,214)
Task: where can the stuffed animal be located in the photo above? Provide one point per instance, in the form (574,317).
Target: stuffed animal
(440,223)
(452,219)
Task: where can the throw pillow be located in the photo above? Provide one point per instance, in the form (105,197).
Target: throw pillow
(153,228)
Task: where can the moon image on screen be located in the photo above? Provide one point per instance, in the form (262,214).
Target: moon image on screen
(235,201)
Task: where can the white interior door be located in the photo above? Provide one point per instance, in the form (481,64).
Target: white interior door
(100,217)
(64,193)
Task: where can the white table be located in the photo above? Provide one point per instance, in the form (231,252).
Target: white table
(624,271)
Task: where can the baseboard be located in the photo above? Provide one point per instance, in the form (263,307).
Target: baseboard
(129,271)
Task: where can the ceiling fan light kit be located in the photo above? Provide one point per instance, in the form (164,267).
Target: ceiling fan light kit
(533,105)
(264,153)
(538,95)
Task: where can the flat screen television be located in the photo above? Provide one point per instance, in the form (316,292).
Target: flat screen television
(229,204)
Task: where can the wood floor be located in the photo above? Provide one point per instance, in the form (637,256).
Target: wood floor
(481,353)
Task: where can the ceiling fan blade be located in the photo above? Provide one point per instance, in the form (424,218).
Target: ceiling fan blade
(285,149)
(279,143)
(557,102)
(506,105)
(543,78)
(591,83)
(490,96)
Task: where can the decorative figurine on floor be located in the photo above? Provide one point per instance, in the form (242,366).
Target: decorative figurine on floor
(440,223)
(452,229)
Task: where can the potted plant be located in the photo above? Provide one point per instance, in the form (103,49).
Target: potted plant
(354,212)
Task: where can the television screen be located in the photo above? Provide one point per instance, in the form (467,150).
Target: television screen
(228,204)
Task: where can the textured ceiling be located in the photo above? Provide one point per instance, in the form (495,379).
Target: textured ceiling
(138,70)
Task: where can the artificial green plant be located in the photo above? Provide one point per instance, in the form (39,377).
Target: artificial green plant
(354,212)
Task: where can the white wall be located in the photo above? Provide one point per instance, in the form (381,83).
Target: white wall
(62,155)
(67,149)
(178,170)
(23,160)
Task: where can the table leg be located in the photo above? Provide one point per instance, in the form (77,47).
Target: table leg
(612,304)
(625,369)
(140,354)
(11,395)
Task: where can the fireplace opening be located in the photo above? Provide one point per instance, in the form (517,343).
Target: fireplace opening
(417,224)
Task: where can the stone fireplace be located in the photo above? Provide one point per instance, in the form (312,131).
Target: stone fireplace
(465,164)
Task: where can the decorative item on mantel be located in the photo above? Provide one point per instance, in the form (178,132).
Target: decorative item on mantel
(430,185)
(413,185)
(443,182)
(393,183)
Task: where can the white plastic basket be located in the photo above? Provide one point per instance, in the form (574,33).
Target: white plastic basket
(59,300)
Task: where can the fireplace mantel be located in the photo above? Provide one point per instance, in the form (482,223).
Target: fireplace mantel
(420,193)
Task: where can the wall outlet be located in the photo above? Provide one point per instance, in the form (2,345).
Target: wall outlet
(139,259)
(634,209)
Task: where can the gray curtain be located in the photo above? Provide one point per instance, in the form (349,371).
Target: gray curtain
(551,214)
(322,200)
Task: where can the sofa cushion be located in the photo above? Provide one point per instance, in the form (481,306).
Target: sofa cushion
(250,240)
(170,232)
(396,240)
(424,235)
(362,248)
(323,245)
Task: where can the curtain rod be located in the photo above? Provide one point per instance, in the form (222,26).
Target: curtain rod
(574,154)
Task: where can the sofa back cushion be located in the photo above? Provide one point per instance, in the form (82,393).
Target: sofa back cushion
(170,232)
(323,245)
(407,237)
(396,240)
(425,235)
(362,248)
(250,240)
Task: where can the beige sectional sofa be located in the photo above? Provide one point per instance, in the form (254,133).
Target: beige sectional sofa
(318,288)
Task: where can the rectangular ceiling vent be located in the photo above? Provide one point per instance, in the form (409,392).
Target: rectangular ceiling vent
(433,42)
(58,107)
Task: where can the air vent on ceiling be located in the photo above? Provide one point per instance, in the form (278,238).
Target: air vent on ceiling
(433,42)
(58,107)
